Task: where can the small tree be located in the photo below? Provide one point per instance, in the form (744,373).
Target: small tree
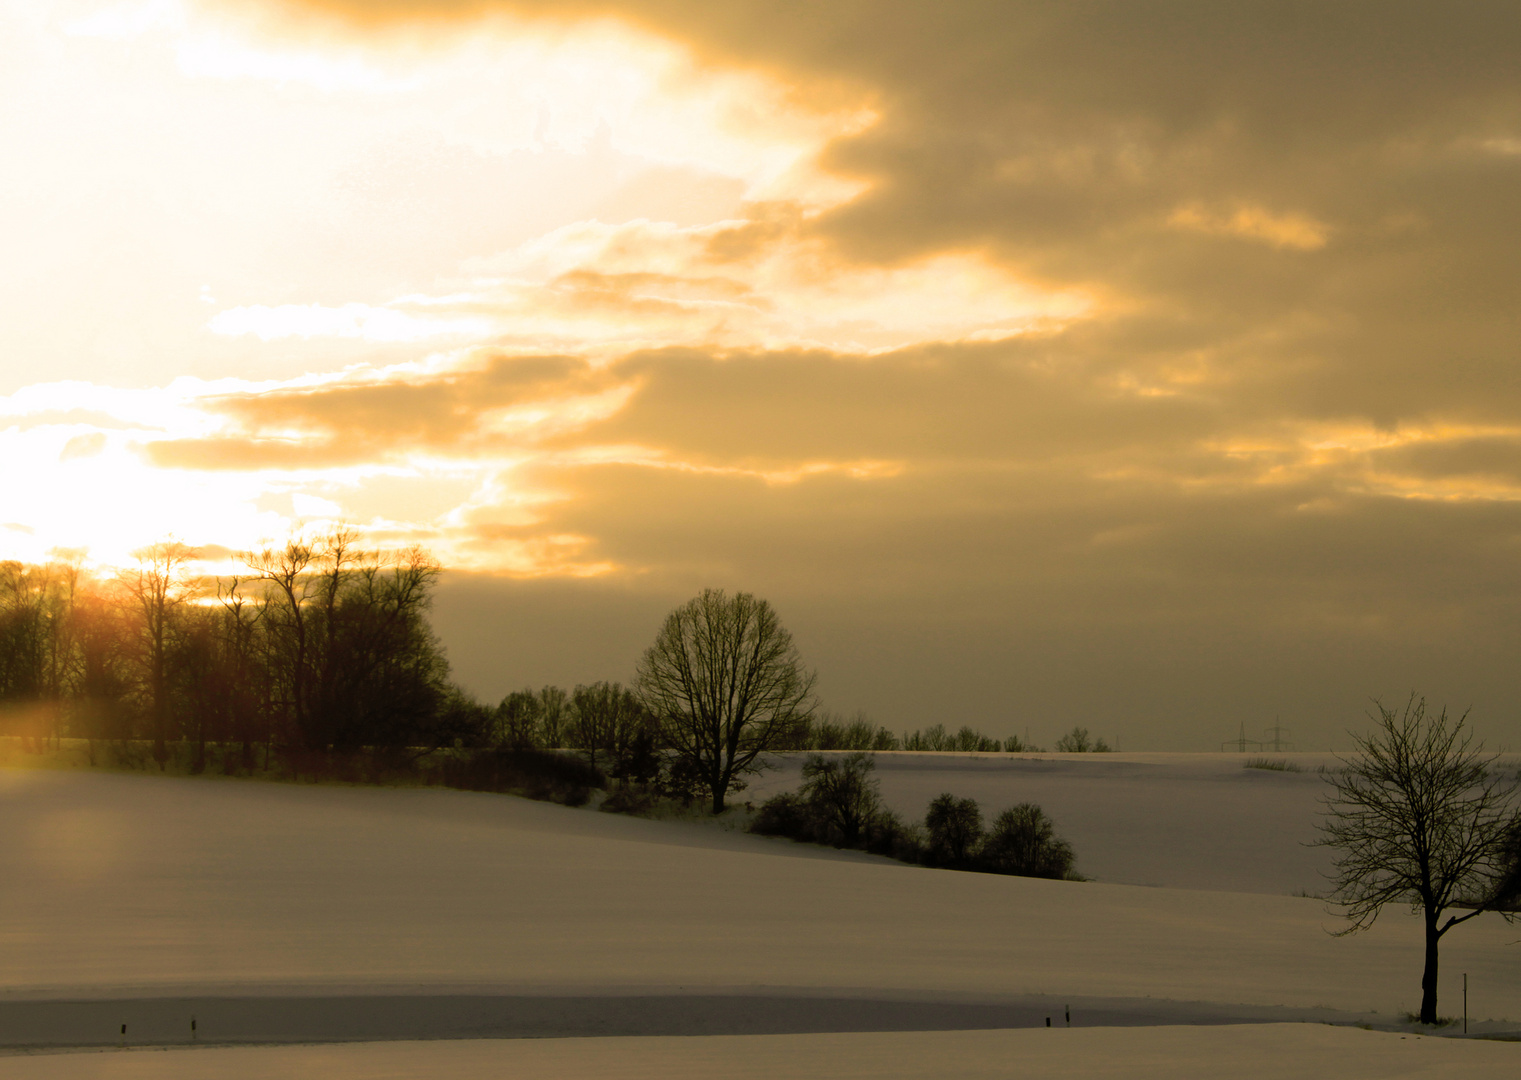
(955,827)
(1023,841)
(727,684)
(1417,817)
(842,794)
(554,715)
(159,587)
(518,720)
(609,719)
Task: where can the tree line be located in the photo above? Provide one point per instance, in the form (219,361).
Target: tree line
(321,646)
(839,804)
(315,644)
(829,731)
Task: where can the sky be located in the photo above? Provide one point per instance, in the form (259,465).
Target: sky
(1150,367)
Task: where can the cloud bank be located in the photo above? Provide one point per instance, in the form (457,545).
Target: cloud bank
(1150,367)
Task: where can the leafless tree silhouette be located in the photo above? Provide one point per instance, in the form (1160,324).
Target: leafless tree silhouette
(726,683)
(955,829)
(1077,741)
(1418,816)
(843,793)
(1023,841)
(158,586)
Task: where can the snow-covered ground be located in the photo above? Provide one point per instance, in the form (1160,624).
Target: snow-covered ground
(1258,1052)
(1191,821)
(125,890)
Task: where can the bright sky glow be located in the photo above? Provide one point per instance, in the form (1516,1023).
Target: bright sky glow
(234,204)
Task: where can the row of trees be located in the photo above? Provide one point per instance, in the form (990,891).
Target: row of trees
(839,804)
(831,732)
(319,644)
(606,721)
(323,645)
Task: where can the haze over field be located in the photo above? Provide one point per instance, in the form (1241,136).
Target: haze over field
(1149,367)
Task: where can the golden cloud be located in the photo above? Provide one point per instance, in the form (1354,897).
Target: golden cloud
(1252,223)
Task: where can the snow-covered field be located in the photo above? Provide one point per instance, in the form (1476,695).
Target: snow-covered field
(1258,1052)
(324,912)
(1191,821)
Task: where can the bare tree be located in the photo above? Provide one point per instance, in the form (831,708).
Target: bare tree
(955,829)
(1418,816)
(1023,841)
(727,684)
(843,793)
(554,715)
(286,579)
(348,641)
(158,586)
(609,718)
(517,721)
(248,680)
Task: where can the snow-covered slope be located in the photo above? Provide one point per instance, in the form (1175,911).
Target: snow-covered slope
(317,912)
(1260,1052)
(125,883)
(1191,821)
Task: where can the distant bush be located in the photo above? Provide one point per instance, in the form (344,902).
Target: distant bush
(955,829)
(635,799)
(886,834)
(539,774)
(518,720)
(678,778)
(1015,745)
(787,814)
(838,804)
(936,738)
(831,732)
(1077,741)
(610,720)
(1023,841)
(841,795)
(1273,764)
(531,719)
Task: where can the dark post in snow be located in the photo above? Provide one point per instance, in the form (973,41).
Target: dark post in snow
(1465,1003)
(193,1035)
(1069,1015)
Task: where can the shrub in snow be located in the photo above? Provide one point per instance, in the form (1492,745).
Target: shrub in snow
(955,828)
(634,799)
(539,774)
(841,795)
(787,814)
(886,834)
(1078,741)
(1023,841)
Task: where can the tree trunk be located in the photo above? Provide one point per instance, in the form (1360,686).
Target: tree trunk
(160,716)
(717,783)
(1429,975)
